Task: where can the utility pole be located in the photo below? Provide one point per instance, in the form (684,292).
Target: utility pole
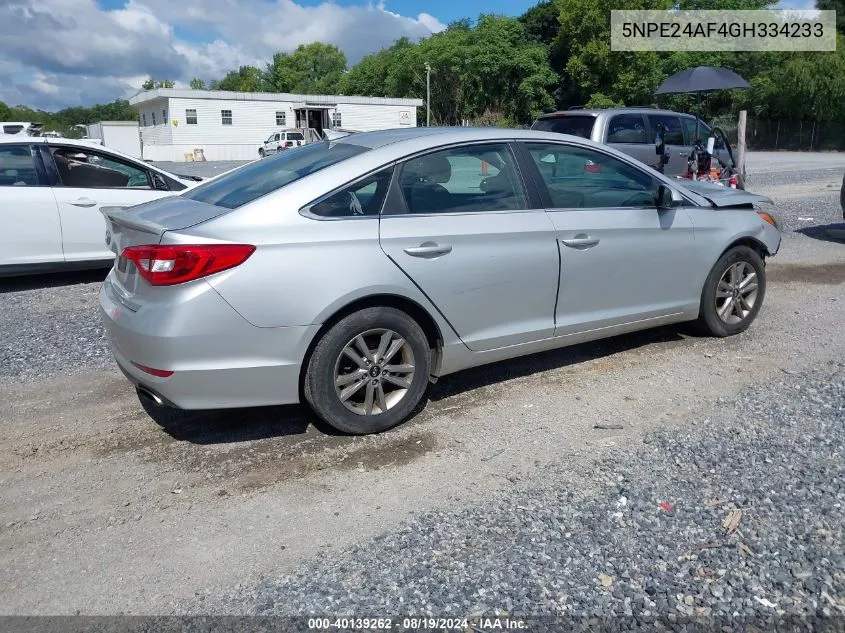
(427,94)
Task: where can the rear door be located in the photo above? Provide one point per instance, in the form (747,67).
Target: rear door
(30,231)
(675,144)
(87,180)
(627,132)
(462,226)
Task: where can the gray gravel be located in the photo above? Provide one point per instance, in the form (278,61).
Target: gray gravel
(602,543)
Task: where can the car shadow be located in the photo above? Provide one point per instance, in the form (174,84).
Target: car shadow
(226,426)
(52,280)
(825,232)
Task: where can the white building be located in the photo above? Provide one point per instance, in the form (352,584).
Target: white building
(122,136)
(232,125)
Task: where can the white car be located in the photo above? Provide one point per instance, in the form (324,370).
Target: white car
(279,141)
(51,191)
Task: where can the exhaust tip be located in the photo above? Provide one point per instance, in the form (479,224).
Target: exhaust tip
(150,395)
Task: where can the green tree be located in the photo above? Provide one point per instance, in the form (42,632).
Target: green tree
(152,84)
(834,5)
(197,84)
(5,112)
(314,68)
(244,79)
(369,76)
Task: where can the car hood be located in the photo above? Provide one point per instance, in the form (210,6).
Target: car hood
(720,196)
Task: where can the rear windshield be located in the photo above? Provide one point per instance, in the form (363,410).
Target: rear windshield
(269,174)
(295,136)
(576,125)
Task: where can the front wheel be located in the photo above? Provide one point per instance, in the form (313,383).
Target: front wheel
(733,292)
(261,152)
(369,371)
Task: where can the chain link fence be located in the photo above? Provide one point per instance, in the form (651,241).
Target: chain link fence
(780,134)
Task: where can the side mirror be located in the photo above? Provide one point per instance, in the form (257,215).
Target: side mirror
(667,198)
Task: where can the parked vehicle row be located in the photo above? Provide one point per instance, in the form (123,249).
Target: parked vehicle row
(52,191)
(350,273)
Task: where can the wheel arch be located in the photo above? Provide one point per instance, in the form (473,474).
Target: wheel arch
(749,241)
(430,328)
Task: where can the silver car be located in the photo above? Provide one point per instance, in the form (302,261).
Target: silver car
(350,273)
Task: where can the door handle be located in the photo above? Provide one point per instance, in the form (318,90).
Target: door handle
(581,241)
(84,202)
(429,249)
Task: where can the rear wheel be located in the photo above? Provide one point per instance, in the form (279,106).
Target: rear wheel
(261,152)
(369,371)
(733,292)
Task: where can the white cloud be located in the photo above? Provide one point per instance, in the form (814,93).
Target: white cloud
(67,52)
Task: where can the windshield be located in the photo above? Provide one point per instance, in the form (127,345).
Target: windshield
(265,176)
(576,125)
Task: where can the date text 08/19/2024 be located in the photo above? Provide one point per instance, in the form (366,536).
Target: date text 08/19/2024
(417,624)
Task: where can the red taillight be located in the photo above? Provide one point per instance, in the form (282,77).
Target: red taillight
(592,168)
(169,265)
(161,373)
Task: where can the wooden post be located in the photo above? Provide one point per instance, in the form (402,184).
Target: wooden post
(740,143)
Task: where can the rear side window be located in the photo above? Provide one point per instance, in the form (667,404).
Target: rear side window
(265,176)
(361,199)
(674,132)
(17,168)
(627,128)
(295,136)
(576,125)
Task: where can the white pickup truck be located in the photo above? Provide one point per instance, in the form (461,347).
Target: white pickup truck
(279,141)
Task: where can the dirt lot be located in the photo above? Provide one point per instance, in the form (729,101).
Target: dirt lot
(110,508)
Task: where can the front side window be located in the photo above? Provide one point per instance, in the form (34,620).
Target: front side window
(674,134)
(627,128)
(79,167)
(226,117)
(580,178)
(17,167)
(262,177)
(689,127)
(464,179)
(361,199)
(280,118)
(191,116)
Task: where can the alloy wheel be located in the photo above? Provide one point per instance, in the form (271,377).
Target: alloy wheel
(736,293)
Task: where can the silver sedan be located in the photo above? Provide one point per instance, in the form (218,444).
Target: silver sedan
(350,273)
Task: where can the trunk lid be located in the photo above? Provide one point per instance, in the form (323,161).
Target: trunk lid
(146,224)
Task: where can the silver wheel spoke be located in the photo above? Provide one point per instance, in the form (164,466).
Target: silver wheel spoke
(726,308)
(382,345)
(345,379)
(397,344)
(744,303)
(749,283)
(398,381)
(354,357)
(352,390)
(362,347)
(382,401)
(368,401)
(399,369)
(723,290)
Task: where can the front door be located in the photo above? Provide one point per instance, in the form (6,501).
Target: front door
(89,180)
(675,146)
(622,259)
(459,224)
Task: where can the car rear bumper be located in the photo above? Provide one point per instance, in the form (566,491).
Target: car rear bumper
(218,359)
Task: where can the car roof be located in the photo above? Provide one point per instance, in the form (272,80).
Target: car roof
(599,111)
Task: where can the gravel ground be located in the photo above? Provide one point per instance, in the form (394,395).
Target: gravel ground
(639,534)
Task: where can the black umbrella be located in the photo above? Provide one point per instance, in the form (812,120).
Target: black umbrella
(701,79)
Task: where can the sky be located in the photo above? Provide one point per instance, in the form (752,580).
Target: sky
(60,53)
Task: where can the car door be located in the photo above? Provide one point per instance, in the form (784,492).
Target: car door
(675,144)
(461,225)
(627,133)
(30,232)
(88,179)
(622,259)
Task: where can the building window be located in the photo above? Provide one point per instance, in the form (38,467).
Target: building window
(191,117)
(144,119)
(226,116)
(280,118)
(154,118)
(164,116)
(336,122)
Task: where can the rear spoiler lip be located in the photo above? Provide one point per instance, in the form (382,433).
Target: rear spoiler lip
(121,217)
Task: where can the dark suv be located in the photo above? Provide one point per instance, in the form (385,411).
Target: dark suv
(634,132)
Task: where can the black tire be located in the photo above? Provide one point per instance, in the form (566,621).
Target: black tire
(261,152)
(319,380)
(709,320)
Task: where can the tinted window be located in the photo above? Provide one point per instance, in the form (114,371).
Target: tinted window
(295,136)
(262,177)
(78,167)
(364,198)
(689,128)
(627,128)
(674,134)
(17,168)
(474,178)
(581,178)
(12,129)
(576,125)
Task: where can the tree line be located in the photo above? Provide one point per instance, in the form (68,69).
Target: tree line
(500,70)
